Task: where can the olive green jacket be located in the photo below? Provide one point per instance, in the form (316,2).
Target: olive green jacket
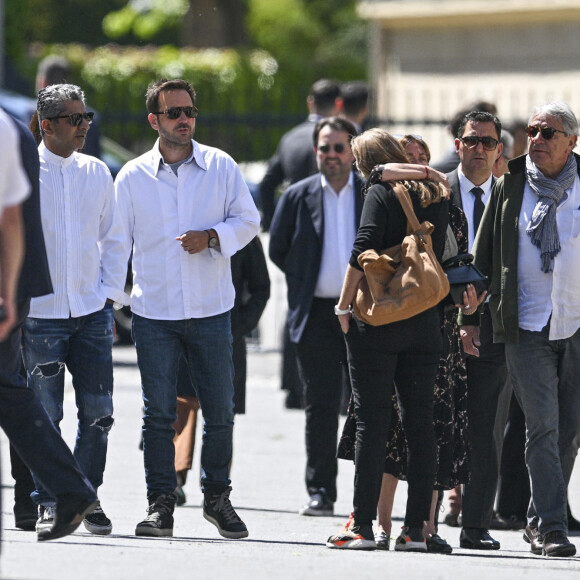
(496,251)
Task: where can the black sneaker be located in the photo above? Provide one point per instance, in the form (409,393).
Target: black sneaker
(159,520)
(97,522)
(218,510)
(318,505)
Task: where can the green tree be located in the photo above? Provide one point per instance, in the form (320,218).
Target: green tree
(310,38)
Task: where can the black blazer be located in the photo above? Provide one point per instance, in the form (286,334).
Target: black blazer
(296,238)
(34,276)
(293,161)
(455,197)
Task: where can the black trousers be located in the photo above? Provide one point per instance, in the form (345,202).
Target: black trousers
(404,354)
(486,380)
(29,429)
(321,355)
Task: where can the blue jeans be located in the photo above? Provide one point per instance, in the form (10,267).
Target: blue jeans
(545,374)
(84,346)
(207,345)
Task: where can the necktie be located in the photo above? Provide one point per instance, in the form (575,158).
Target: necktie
(478,208)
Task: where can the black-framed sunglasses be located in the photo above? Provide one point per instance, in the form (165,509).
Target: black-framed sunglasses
(75,119)
(337,147)
(546,132)
(471,141)
(175,112)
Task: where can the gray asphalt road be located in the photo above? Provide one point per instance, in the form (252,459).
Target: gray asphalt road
(268,489)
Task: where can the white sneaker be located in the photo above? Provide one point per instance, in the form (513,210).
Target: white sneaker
(45,519)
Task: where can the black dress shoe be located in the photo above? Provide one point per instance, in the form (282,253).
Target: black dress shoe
(477,539)
(437,545)
(534,538)
(70,511)
(557,545)
(513,522)
(453,520)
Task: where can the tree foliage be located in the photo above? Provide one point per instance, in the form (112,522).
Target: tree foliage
(310,38)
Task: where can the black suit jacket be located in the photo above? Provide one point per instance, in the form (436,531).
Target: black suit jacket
(34,276)
(455,197)
(293,161)
(296,238)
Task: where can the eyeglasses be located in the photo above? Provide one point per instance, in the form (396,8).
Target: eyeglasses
(338,148)
(175,112)
(546,132)
(471,141)
(75,119)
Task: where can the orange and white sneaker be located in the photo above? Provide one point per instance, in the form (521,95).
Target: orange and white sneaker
(350,523)
(411,540)
(353,538)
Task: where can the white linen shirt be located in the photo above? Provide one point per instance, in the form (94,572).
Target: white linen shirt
(14,185)
(83,236)
(157,206)
(556,294)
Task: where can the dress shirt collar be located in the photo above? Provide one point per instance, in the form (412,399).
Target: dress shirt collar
(466,185)
(195,155)
(53,158)
(349,183)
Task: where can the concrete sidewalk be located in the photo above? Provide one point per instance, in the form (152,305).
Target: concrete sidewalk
(268,489)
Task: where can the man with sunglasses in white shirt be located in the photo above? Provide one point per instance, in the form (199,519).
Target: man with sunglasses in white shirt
(529,246)
(311,239)
(73,327)
(186,211)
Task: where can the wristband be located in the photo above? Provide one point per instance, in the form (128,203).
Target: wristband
(426,172)
(340,312)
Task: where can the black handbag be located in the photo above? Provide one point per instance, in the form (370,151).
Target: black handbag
(460,271)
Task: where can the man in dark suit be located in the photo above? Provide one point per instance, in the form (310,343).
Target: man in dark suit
(32,434)
(294,159)
(311,239)
(478,146)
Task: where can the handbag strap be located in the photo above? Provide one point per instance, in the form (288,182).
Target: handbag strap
(407,205)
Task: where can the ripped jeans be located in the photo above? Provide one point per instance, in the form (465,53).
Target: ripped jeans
(82,345)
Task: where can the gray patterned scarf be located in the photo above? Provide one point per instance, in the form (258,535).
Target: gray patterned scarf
(543,228)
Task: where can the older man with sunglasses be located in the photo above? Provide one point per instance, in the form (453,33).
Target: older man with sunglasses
(529,246)
(73,327)
(186,210)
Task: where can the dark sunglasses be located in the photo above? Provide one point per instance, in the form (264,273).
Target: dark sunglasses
(338,148)
(175,112)
(471,141)
(546,132)
(75,119)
